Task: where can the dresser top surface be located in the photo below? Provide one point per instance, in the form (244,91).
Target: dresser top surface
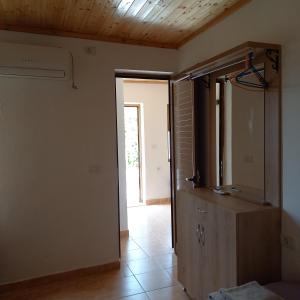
(234,204)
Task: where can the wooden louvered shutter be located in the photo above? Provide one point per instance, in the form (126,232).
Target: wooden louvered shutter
(183,120)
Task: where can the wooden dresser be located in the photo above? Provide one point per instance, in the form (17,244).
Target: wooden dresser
(223,241)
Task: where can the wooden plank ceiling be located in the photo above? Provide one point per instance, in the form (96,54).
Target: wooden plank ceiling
(160,23)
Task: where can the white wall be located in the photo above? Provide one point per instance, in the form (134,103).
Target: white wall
(273,21)
(154,98)
(58,160)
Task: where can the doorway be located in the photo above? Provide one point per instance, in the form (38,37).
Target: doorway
(145,163)
(133,154)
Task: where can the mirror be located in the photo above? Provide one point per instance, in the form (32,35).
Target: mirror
(240,140)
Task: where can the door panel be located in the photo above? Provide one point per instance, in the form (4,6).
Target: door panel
(182,159)
(183,113)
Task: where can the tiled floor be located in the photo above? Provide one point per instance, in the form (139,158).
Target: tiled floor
(149,255)
(148,267)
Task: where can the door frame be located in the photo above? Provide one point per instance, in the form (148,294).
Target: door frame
(168,77)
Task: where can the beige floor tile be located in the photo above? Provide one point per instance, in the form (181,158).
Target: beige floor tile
(170,293)
(114,289)
(166,260)
(143,266)
(128,245)
(142,296)
(172,272)
(125,270)
(158,250)
(155,280)
(134,255)
(91,287)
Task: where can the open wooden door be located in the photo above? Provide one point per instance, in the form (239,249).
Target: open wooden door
(190,121)
(182,156)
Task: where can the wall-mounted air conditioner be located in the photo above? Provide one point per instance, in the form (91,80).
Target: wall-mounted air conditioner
(29,61)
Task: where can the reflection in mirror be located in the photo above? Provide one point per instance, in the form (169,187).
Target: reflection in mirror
(240,136)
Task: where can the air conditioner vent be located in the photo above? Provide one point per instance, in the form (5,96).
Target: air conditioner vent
(29,61)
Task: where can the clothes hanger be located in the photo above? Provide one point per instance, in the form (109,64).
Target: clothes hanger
(250,69)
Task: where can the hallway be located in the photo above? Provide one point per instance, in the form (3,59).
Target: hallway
(148,253)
